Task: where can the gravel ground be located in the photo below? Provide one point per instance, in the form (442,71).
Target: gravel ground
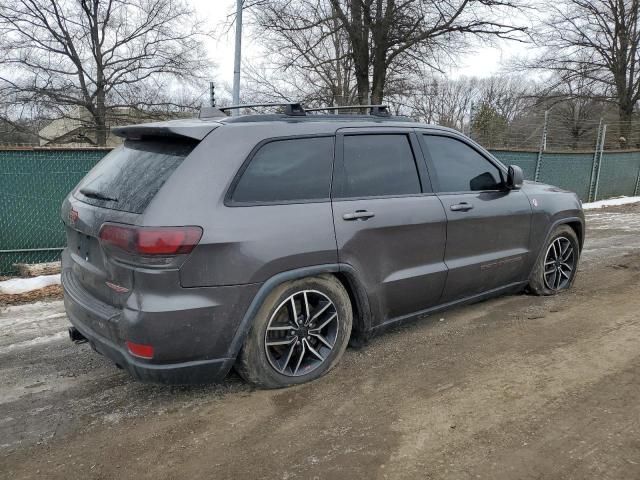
(514,387)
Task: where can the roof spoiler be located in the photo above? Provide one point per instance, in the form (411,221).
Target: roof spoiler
(195,130)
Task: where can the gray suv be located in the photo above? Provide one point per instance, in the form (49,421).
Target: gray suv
(269,242)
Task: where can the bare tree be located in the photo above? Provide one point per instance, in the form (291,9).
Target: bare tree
(500,101)
(382,32)
(307,54)
(575,110)
(596,42)
(497,100)
(91,59)
(508,95)
(443,101)
(384,39)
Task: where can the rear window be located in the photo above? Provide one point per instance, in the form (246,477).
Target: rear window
(293,170)
(130,176)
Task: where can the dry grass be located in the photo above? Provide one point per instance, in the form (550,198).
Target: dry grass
(52,292)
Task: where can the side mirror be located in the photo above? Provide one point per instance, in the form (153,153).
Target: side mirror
(515,177)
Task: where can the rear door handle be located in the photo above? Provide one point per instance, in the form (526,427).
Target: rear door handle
(461,207)
(358,215)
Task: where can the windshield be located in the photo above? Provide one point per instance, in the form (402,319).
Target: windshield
(130,176)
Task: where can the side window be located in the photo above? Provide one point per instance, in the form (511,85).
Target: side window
(459,167)
(376,165)
(288,170)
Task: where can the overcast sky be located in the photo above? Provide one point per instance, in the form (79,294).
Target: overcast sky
(483,62)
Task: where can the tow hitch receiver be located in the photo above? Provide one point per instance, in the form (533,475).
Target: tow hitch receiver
(76,336)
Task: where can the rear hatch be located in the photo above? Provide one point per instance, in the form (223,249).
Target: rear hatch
(116,192)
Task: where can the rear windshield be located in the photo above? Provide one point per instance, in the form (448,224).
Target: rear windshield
(129,177)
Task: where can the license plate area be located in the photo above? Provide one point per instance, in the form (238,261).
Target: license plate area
(83,243)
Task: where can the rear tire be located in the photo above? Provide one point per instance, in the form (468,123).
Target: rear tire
(557,264)
(298,335)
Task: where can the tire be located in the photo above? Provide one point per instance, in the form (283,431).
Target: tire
(280,351)
(556,280)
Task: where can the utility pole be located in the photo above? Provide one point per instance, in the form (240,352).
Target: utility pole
(238,57)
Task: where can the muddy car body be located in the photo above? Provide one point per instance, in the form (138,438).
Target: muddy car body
(203,244)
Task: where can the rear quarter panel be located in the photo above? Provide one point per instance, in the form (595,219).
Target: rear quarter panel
(241,244)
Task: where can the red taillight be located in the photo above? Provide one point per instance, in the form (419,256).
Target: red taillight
(122,237)
(168,241)
(150,240)
(140,350)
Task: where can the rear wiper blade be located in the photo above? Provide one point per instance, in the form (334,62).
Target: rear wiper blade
(97,195)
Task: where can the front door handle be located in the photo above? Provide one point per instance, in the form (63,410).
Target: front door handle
(358,215)
(461,207)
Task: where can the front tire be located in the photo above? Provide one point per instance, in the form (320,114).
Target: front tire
(298,335)
(556,267)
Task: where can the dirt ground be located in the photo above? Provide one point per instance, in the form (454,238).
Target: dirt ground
(518,387)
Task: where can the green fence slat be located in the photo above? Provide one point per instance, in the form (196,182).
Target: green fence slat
(33,183)
(618,174)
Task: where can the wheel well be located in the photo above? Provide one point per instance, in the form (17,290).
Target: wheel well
(361,315)
(577,227)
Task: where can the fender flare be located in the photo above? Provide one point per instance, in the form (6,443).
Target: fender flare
(355,286)
(552,227)
(562,221)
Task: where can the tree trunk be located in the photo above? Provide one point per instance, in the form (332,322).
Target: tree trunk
(362,82)
(380,33)
(360,42)
(101,109)
(100,119)
(379,80)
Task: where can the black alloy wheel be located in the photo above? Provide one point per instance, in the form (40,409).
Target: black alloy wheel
(559,264)
(301,333)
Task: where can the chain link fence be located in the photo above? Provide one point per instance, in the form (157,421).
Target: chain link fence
(34,182)
(557,129)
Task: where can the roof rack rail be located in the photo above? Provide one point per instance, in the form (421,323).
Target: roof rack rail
(292,108)
(375,110)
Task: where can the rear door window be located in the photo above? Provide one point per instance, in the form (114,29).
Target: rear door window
(130,176)
(293,170)
(377,165)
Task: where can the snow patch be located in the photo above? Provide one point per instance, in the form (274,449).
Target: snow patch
(23,285)
(611,202)
(34,342)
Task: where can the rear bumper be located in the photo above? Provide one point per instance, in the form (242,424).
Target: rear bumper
(192,330)
(193,372)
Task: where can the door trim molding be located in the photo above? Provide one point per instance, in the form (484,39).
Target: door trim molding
(445,306)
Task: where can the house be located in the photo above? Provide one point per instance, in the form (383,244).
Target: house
(77,130)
